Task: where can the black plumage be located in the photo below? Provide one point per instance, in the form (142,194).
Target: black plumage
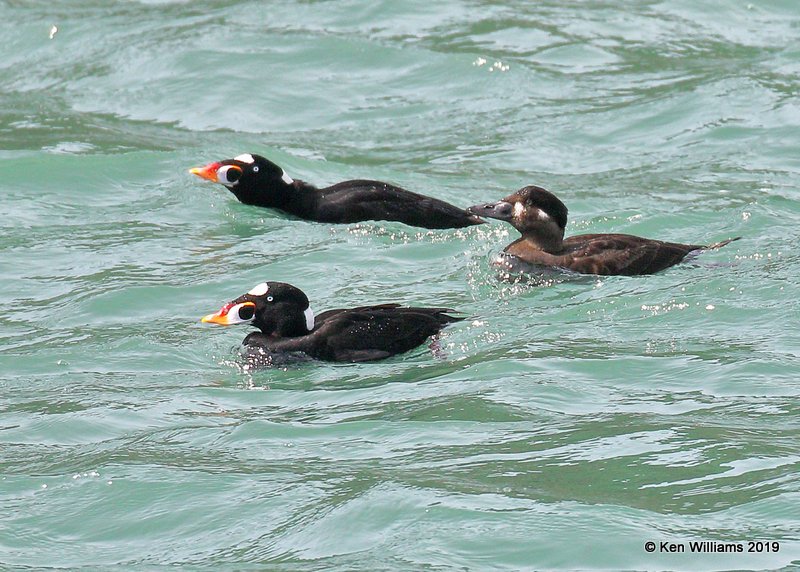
(282,313)
(257,181)
(541,219)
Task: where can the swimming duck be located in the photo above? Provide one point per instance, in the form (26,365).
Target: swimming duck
(541,219)
(288,325)
(255,180)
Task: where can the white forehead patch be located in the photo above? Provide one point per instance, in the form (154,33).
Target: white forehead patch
(259,290)
(518,209)
(309,314)
(245,158)
(286,178)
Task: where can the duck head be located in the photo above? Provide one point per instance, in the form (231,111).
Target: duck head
(252,178)
(275,308)
(535,212)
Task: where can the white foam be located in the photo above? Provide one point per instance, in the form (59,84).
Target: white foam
(259,290)
(245,158)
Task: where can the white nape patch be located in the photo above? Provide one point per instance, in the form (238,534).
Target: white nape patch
(259,290)
(309,314)
(519,208)
(542,215)
(286,178)
(245,158)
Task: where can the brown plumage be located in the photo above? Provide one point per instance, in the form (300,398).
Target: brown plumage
(541,219)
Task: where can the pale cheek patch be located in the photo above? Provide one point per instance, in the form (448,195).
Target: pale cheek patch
(245,158)
(543,215)
(286,178)
(309,314)
(519,208)
(259,290)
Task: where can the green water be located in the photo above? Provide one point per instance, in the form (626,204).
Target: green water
(562,425)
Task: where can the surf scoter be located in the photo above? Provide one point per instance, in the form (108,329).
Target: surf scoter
(541,218)
(282,313)
(257,181)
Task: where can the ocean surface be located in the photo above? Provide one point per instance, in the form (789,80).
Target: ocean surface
(564,424)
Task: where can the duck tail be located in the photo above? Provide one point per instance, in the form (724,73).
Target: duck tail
(722,243)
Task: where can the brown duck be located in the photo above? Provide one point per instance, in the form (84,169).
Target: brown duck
(541,218)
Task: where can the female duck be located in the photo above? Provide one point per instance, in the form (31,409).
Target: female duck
(541,219)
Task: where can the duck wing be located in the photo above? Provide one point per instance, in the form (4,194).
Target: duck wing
(359,200)
(622,254)
(374,332)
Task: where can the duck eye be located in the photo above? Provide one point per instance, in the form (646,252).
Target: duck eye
(270,298)
(246,312)
(255,169)
(229,174)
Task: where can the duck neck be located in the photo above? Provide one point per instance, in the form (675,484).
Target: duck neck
(282,324)
(300,199)
(546,241)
